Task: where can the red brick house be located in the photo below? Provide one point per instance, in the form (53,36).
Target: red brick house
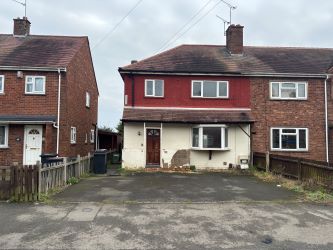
(274,99)
(48,96)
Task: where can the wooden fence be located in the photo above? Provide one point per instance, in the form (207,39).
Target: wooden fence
(296,168)
(26,183)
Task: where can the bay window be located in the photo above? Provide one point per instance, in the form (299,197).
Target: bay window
(210,137)
(289,139)
(210,89)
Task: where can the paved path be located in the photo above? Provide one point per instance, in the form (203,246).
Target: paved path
(166,226)
(164,187)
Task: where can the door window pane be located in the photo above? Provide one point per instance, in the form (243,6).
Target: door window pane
(158,88)
(275,89)
(223,89)
(149,87)
(209,89)
(195,137)
(302,138)
(276,138)
(196,89)
(301,90)
(289,142)
(211,137)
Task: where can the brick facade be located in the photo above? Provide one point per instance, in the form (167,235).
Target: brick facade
(78,79)
(308,113)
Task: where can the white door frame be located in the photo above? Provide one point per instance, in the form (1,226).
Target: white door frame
(26,128)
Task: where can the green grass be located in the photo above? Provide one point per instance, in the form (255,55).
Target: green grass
(308,191)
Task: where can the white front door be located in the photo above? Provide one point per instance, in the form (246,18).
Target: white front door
(33,136)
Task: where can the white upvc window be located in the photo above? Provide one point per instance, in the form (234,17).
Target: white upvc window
(73,135)
(154,88)
(87,100)
(3,136)
(210,89)
(289,139)
(210,137)
(35,85)
(2,84)
(289,90)
(92,136)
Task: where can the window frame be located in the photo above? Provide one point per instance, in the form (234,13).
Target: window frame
(154,88)
(92,136)
(217,89)
(2,146)
(280,83)
(34,92)
(87,99)
(2,89)
(73,135)
(224,142)
(298,149)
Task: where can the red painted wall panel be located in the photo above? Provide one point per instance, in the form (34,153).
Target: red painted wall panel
(177,92)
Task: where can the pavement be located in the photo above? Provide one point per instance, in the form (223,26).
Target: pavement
(169,211)
(166,187)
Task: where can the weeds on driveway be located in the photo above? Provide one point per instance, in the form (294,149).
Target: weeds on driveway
(309,191)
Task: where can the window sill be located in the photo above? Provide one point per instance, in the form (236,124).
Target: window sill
(288,99)
(290,150)
(34,94)
(4,147)
(155,97)
(212,98)
(211,149)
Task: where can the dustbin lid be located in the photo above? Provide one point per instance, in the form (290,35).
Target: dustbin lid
(46,155)
(100,151)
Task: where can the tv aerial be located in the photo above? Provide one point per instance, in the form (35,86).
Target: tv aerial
(24,4)
(225,22)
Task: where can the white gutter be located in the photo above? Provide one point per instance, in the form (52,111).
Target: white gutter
(326,120)
(23,68)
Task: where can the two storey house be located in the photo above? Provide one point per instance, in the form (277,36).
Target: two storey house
(212,106)
(48,96)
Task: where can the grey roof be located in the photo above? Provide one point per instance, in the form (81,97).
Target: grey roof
(215,59)
(27,118)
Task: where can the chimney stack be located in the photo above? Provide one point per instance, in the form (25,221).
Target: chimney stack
(235,39)
(21,27)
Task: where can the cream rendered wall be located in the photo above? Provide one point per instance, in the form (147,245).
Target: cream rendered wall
(176,137)
(133,150)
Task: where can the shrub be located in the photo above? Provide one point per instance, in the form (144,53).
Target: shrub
(192,168)
(72,181)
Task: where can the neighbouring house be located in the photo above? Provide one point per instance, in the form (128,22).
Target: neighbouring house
(48,96)
(109,140)
(213,105)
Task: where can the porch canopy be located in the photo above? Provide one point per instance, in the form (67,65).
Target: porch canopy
(188,116)
(27,119)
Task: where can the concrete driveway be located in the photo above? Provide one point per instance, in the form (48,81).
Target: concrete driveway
(165,187)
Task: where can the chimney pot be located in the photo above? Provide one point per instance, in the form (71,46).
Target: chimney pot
(235,39)
(21,27)
(134,61)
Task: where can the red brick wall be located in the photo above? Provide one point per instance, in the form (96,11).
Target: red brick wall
(80,77)
(309,113)
(177,92)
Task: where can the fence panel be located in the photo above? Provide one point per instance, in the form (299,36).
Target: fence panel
(24,183)
(5,183)
(292,167)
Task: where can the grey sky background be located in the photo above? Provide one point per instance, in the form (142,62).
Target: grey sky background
(154,22)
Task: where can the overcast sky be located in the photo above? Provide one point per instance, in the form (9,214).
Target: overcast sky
(154,22)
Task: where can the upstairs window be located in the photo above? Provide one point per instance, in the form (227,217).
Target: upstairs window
(87,100)
(289,139)
(210,137)
(2,84)
(35,85)
(289,90)
(3,136)
(73,135)
(154,88)
(210,89)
